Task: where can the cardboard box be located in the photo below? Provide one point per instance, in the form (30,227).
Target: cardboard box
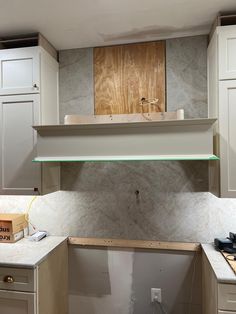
(12,223)
(11,237)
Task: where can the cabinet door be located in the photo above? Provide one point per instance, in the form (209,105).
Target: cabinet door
(227,52)
(17,302)
(18,174)
(227,132)
(19,71)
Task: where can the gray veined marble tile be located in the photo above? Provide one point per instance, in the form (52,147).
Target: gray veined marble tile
(76,82)
(100,200)
(186,75)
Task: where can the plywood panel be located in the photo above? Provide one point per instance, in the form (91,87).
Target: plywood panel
(230,260)
(124,74)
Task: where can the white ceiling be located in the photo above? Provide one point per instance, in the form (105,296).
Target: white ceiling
(88,23)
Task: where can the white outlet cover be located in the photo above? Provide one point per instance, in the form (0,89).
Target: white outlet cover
(156,295)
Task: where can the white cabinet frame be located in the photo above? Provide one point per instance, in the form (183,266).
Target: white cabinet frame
(227,52)
(29,298)
(15,137)
(20,59)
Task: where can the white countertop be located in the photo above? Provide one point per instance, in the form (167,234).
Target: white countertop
(25,253)
(221,268)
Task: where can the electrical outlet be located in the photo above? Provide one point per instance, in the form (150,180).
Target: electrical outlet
(156,295)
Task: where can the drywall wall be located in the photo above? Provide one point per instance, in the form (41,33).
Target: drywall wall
(101,282)
(99,199)
(120,281)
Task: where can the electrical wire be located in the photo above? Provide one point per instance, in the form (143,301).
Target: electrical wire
(28,210)
(161,307)
(231,259)
(152,102)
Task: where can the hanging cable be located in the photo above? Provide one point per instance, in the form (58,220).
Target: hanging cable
(28,210)
(160,306)
(151,102)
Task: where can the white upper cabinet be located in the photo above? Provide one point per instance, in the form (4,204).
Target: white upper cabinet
(222,105)
(28,96)
(17,137)
(20,71)
(227,52)
(227,131)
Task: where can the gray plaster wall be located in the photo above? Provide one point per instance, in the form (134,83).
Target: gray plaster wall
(99,200)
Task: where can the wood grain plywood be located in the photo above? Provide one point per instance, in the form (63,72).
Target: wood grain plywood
(126,73)
(230,260)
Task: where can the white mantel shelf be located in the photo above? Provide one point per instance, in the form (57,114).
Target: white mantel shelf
(188,139)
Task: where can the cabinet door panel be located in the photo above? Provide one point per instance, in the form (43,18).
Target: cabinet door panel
(18,142)
(17,302)
(227,131)
(227,52)
(19,71)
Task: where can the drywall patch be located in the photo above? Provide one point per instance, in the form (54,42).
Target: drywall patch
(121,276)
(87,271)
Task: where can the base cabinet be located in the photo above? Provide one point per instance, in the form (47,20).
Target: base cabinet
(12,302)
(218,298)
(40,290)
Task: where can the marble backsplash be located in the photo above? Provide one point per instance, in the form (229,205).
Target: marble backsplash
(101,199)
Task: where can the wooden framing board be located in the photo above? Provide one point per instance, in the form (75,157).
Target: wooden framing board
(119,118)
(124,74)
(141,244)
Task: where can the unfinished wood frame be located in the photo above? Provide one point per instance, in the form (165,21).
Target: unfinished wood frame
(141,244)
(126,73)
(119,118)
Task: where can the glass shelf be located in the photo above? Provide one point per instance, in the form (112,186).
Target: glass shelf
(125,158)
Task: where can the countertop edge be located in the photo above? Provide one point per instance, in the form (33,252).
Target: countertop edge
(34,264)
(222,270)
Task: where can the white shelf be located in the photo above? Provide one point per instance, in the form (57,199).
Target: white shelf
(190,139)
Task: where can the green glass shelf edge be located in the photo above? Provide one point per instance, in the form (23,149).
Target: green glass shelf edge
(157,158)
